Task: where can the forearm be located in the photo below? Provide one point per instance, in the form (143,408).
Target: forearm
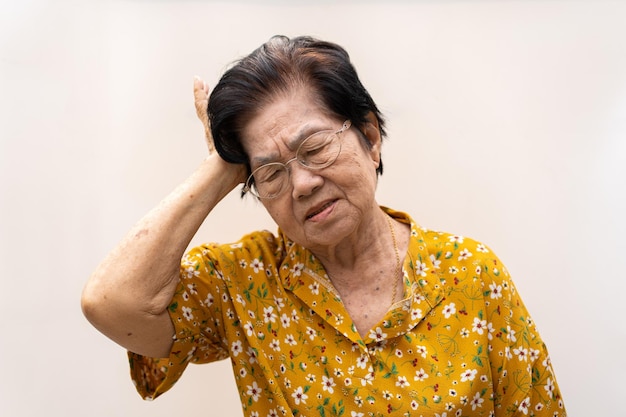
(127,295)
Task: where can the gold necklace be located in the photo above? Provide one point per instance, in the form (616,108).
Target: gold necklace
(398,266)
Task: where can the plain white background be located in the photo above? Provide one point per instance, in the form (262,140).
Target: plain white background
(507,123)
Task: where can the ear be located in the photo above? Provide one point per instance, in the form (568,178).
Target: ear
(371,131)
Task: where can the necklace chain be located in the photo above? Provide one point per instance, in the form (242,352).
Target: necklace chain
(398,265)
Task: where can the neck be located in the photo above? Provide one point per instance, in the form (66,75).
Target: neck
(372,248)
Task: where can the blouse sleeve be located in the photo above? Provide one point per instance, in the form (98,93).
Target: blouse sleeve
(196,313)
(524,382)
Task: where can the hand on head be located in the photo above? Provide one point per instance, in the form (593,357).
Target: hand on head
(201,100)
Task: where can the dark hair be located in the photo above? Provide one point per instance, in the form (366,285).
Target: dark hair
(276,67)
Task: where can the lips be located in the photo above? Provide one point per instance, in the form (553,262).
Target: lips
(317,210)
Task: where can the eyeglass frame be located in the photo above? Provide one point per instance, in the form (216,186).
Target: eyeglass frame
(250,182)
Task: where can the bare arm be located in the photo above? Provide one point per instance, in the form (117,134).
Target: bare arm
(127,296)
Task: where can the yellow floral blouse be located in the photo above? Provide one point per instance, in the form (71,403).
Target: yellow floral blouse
(460,343)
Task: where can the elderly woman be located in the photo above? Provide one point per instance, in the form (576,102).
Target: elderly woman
(350,308)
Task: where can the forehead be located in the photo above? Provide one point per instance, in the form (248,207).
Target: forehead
(277,129)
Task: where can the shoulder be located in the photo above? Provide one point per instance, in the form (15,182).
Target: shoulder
(252,250)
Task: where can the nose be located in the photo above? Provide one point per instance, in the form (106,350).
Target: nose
(304,181)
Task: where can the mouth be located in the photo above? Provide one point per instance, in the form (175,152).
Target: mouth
(319,209)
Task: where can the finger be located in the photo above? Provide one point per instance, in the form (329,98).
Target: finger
(200,94)
(201,101)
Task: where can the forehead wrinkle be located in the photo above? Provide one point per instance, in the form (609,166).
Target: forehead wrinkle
(291,144)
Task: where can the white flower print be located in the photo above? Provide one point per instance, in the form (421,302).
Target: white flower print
(290,340)
(416,314)
(269,315)
(510,334)
(257,265)
(191,272)
(476,401)
(249,328)
(311,332)
(362,361)
(208,301)
(254,391)
(369,377)
(402,382)
(464,254)
(251,355)
(522,353)
(328,384)
(315,288)
(436,262)
(421,350)
(456,239)
(296,271)
(549,387)
(482,248)
(420,375)
(299,396)
(420,268)
(449,310)
(507,353)
(524,406)
(490,330)
(355,414)
(236,348)
(468,375)
(377,334)
(414,405)
(279,302)
(240,300)
(187,313)
(285,320)
(496,291)
(479,325)
(294,316)
(275,345)
(533,354)
(192,288)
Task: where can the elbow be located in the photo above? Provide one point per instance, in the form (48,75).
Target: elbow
(91,303)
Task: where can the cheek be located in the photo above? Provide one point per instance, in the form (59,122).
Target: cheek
(359,169)
(279,212)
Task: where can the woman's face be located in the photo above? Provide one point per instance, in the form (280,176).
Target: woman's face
(320,208)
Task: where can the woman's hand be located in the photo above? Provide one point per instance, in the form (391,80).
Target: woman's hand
(201,101)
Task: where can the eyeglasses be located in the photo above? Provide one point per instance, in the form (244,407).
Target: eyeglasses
(317,151)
